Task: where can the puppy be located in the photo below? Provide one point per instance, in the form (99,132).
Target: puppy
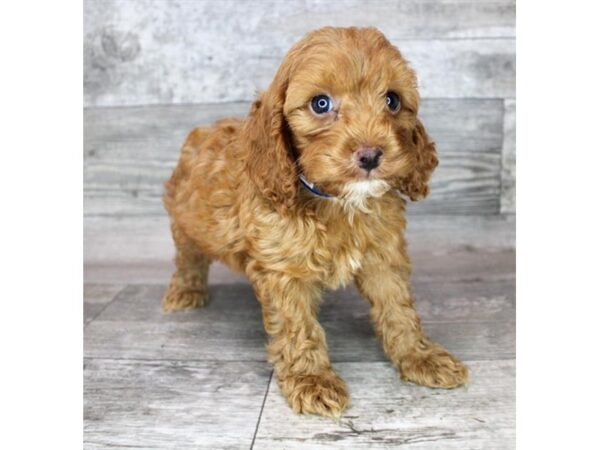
(303,195)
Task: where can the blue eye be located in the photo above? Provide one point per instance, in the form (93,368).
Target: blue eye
(393,101)
(321,104)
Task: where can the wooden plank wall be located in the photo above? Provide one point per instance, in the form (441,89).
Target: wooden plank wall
(154,69)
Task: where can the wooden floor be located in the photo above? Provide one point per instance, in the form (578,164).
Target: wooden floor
(200,379)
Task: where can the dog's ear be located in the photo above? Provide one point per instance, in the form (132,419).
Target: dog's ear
(271,164)
(424,161)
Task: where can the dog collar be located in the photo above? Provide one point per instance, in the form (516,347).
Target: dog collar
(311,187)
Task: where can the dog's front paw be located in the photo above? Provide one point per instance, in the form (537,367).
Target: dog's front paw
(433,366)
(176,299)
(324,394)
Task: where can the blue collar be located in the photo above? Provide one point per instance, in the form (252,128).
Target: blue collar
(311,187)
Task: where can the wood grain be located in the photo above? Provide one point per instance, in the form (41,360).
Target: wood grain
(174,405)
(509,169)
(198,379)
(130,153)
(96,297)
(153,70)
(139,239)
(427,267)
(130,250)
(387,413)
(473,318)
(155,52)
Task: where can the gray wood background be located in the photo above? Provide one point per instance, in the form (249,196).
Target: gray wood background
(153,69)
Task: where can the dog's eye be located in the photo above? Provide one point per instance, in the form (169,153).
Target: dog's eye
(321,104)
(393,101)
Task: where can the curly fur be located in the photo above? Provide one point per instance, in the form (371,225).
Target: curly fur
(234,196)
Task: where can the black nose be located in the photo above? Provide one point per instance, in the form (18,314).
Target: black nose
(368,157)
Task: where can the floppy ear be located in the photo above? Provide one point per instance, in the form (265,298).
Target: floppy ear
(416,185)
(270,162)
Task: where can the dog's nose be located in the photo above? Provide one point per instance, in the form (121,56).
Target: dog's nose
(368,157)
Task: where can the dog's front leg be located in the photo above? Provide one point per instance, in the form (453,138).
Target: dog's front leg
(297,346)
(396,322)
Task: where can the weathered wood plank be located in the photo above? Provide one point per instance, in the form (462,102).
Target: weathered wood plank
(473,318)
(459,174)
(179,405)
(457,314)
(139,250)
(134,326)
(462,184)
(149,52)
(463,266)
(452,233)
(427,267)
(130,152)
(481,68)
(132,239)
(122,202)
(156,132)
(387,413)
(149,272)
(352,341)
(96,297)
(466,189)
(509,175)
(152,132)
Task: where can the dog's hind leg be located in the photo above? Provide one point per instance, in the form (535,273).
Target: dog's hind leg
(189,283)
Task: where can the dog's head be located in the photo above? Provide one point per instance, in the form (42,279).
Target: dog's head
(342,111)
